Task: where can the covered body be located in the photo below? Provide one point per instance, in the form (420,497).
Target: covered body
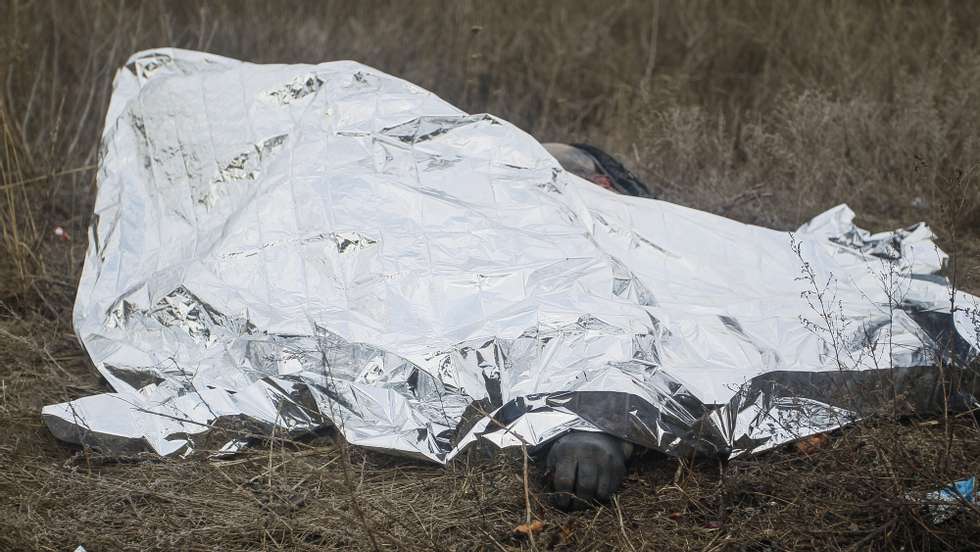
(282,247)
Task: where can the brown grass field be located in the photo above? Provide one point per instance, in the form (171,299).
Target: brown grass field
(766,112)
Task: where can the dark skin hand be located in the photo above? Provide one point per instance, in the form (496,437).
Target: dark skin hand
(586,467)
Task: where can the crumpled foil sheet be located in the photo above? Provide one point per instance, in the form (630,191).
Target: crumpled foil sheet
(278,248)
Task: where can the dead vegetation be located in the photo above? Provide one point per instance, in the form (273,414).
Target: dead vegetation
(765,112)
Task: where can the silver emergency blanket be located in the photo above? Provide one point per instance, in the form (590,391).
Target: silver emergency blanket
(279,248)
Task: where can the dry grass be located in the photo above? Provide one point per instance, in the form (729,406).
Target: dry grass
(765,112)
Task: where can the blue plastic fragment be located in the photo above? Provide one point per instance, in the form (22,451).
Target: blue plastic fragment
(945,503)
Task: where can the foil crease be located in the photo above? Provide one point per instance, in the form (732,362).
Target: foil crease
(281,248)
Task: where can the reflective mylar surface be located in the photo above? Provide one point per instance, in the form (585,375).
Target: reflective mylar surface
(277,248)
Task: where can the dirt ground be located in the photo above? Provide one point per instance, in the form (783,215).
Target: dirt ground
(766,112)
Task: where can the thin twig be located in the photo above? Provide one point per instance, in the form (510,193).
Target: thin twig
(622,526)
(527,499)
(18,183)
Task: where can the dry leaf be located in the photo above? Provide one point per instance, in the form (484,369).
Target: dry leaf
(529,528)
